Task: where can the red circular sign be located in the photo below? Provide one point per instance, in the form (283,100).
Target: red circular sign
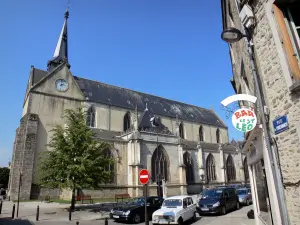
(144,176)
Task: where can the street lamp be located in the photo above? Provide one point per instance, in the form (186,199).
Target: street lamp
(231,35)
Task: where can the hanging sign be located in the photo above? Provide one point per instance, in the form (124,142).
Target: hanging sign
(244,119)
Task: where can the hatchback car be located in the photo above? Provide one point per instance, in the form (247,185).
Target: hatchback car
(218,201)
(245,196)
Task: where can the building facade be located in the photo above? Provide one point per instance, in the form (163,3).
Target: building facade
(185,146)
(274,29)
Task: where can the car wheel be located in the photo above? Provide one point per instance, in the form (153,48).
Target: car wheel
(247,202)
(237,206)
(180,221)
(223,212)
(136,218)
(194,218)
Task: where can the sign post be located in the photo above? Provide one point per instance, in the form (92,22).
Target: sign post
(144,179)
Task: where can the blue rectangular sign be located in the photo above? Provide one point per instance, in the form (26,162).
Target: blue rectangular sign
(280,124)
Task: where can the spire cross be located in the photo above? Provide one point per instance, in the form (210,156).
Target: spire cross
(67,11)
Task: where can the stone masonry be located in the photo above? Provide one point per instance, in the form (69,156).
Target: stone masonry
(279,99)
(23,157)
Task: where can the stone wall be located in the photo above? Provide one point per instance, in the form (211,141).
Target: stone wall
(23,157)
(277,95)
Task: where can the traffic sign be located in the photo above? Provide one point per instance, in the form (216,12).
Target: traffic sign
(280,124)
(144,176)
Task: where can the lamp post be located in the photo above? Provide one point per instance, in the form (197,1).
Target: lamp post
(19,189)
(231,35)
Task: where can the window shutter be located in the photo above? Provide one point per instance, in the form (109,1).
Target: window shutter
(287,43)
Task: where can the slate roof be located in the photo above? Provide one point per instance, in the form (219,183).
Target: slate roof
(125,98)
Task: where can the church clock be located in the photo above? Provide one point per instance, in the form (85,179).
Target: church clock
(61,85)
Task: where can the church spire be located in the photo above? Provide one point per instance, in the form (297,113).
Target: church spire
(61,51)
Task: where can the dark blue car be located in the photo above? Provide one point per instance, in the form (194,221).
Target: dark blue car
(218,201)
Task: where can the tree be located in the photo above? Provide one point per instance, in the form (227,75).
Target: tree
(4,176)
(76,159)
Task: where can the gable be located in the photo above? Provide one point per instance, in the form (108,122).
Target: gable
(47,83)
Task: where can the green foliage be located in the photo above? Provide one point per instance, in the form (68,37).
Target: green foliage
(4,176)
(76,158)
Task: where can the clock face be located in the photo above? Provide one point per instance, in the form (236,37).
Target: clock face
(61,85)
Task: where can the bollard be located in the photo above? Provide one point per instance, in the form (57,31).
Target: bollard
(13,211)
(1,207)
(77,223)
(70,213)
(37,213)
(106,221)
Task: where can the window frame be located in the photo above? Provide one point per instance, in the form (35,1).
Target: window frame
(292,85)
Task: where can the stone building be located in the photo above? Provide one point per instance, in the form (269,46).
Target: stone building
(187,145)
(274,29)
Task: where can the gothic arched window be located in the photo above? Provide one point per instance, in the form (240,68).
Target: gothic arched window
(189,171)
(159,164)
(210,168)
(110,167)
(230,168)
(126,122)
(181,131)
(91,117)
(201,136)
(246,171)
(218,135)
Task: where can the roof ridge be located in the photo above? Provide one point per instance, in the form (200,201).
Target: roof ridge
(147,94)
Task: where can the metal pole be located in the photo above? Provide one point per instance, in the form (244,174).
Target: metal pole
(278,187)
(37,213)
(1,207)
(146,213)
(19,188)
(13,211)
(70,213)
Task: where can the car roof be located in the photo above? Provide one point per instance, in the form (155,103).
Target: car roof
(179,197)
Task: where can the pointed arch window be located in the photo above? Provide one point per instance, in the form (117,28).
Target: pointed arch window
(159,165)
(210,168)
(218,135)
(127,122)
(246,171)
(230,169)
(201,135)
(110,167)
(189,171)
(91,117)
(181,130)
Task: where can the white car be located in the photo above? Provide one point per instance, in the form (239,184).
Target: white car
(175,210)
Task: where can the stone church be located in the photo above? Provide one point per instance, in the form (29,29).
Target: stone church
(185,147)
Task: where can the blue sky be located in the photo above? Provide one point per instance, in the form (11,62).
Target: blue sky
(169,48)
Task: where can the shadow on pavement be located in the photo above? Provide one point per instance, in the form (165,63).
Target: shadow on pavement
(9,221)
(97,207)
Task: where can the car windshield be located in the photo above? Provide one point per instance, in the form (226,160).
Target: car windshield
(213,193)
(172,202)
(137,201)
(241,192)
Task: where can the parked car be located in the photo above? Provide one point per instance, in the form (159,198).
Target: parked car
(218,201)
(245,196)
(134,209)
(175,210)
